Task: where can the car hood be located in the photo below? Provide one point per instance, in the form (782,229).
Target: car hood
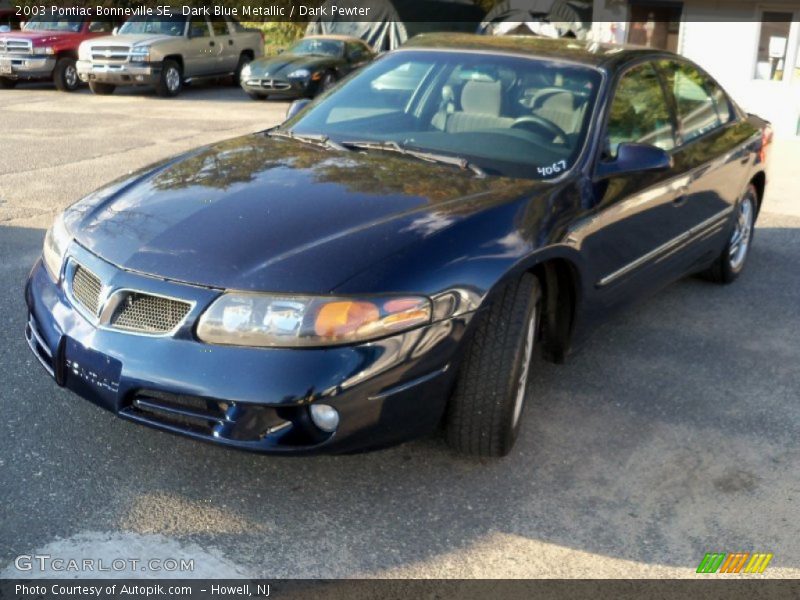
(261,213)
(130,39)
(283,64)
(40,38)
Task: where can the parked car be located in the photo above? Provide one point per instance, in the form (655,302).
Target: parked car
(168,52)
(46,49)
(9,21)
(379,265)
(309,67)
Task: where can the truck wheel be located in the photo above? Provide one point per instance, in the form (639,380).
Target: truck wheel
(65,75)
(483,414)
(254,96)
(171,81)
(102,89)
(244,60)
(7,84)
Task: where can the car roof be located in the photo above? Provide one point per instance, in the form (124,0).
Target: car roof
(590,53)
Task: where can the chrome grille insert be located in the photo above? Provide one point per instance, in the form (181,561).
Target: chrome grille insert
(146,313)
(110,53)
(86,289)
(15,46)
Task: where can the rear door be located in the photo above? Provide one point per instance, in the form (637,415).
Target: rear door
(628,240)
(225,45)
(201,56)
(709,150)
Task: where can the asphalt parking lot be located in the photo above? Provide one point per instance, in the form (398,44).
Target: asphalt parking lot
(673,433)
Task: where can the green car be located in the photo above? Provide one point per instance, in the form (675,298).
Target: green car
(305,69)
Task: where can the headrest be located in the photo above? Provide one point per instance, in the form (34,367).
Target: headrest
(481,97)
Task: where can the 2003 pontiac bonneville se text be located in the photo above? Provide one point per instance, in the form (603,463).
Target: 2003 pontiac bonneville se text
(387,260)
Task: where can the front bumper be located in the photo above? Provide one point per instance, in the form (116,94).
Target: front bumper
(118,74)
(276,87)
(27,67)
(386,391)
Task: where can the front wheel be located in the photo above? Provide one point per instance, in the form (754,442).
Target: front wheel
(7,84)
(483,414)
(171,81)
(65,75)
(102,89)
(327,82)
(731,261)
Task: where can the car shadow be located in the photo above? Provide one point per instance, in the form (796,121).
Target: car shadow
(671,434)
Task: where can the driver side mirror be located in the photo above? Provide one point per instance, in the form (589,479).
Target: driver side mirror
(295,107)
(634,158)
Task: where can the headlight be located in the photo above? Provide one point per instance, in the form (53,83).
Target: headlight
(141,54)
(299,74)
(44,50)
(56,243)
(252,319)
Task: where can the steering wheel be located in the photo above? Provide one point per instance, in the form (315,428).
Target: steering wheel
(536,124)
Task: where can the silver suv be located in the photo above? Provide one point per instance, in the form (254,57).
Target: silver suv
(168,52)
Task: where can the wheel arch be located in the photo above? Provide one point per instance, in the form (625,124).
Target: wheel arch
(759,181)
(178,59)
(560,281)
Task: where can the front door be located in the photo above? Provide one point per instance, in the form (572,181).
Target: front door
(202,54)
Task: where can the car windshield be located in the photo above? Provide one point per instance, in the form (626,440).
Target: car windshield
(511,116)
(317,46)
(69,24)
(160,25)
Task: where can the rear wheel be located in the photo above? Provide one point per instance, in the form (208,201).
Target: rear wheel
(484,412)
(101,89)
(7,84)
(65,75)
(171,81)
(730,263)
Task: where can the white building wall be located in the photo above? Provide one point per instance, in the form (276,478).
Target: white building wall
(727,49)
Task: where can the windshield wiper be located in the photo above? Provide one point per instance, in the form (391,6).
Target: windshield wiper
(392,146)
(322,141)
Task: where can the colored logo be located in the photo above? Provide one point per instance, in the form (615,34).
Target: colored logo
(737,562)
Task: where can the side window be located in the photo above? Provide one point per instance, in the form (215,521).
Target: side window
(701,105)
(219,27)
(639,112)
(199,28)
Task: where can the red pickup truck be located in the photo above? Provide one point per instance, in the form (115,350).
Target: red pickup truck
(46,49)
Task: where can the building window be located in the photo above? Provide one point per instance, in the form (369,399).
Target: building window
(773,46)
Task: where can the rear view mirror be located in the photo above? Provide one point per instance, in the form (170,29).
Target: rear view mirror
(633,158)
(295,107)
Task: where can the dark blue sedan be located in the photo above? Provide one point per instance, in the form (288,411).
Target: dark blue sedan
(388,260)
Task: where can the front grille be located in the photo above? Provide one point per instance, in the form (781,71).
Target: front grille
(86,289)
(149,314)
(110,53)
(12,46)
(272,84)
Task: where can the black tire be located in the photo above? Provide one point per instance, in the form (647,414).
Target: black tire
(7,84)
(65,75)
(254,96)
(731,262)
(244,59)
(483,414)
(102,89)
(170,83)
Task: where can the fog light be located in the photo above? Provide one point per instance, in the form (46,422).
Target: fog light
(325,417)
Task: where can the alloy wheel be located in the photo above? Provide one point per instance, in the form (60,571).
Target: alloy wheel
(527,357)
(173,79)
(742,232)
